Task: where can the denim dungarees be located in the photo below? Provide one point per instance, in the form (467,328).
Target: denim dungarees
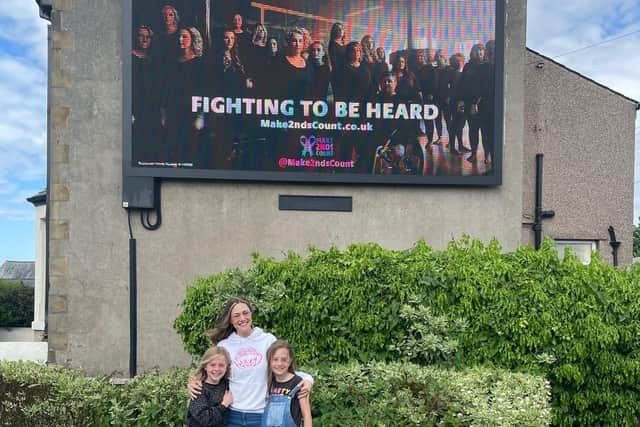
(278,410)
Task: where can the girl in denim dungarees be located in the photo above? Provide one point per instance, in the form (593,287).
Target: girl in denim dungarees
(248,347)
(283,408)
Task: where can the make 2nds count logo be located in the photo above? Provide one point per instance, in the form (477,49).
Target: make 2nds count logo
(313,146)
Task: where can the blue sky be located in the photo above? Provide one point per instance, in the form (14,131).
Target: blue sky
(553,28)
(23,134)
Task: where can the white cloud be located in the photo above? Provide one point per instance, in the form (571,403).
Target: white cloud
(554,28)
(21,25)
(23,107)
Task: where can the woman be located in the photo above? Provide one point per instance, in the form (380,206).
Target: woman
(306,36)
(408,88)
(294,73)
(355,76)
(475,88)
(453,106)
(260,35)
(274,57)
(368,51)
(166,46)
(337,53)
(243,38)
(230,80)
(321,72)
(380,66)
(273,49)
(144,121)
(293,77)
(440,92)
(259,47)
(248,347)
(182,127)
(257,60)
(337,48)
(355,86)
(387,132)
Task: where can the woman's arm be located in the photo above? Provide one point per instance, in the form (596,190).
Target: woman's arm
(308,378)
(195,389)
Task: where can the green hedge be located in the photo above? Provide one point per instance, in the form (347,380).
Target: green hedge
(522,311)
(403,394)
(375,394)
(37,395)
(16,304)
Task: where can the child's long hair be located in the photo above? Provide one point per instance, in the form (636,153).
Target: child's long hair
(200,373)
(277,345)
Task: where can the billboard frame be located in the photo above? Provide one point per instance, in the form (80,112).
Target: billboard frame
(494,179)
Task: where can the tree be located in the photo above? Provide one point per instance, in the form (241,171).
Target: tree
(636,240)
(16,304)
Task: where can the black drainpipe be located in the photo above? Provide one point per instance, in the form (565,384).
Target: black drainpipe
(614,245)
(133,305)
(539,213)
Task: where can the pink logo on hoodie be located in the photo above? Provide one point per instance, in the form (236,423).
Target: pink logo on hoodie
(247,357)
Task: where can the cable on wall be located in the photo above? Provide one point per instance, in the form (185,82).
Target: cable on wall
(146,214)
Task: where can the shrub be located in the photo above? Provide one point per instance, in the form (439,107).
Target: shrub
(528,310)
(375,394)
(153,399)
(522,311)
(16,304)
(400,394)
(428,338)
(37,395)
(338,306)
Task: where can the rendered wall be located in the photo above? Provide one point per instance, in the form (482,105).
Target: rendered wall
(586,133)
(208,226)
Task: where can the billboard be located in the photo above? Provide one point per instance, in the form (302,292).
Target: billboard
(365,91)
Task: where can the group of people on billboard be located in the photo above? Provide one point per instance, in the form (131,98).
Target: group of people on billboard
(175,64)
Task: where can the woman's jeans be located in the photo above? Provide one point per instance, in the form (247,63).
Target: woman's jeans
(243,419)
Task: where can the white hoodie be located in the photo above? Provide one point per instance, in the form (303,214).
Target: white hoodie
(248,369)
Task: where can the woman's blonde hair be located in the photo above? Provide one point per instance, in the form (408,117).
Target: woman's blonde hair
(197,45)
(255,33)
(200,373)
(292,33)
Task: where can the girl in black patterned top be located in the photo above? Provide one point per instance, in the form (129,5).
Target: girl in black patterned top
(209,409)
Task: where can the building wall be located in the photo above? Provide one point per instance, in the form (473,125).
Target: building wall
(208,226)
(39,289)
(586,133)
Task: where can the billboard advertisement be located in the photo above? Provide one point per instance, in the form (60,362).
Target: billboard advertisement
(364,91)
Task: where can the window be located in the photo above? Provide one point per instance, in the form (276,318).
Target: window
(581,248)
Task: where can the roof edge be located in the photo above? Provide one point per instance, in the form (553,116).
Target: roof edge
(38,199)
(586,78)
(45,7)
